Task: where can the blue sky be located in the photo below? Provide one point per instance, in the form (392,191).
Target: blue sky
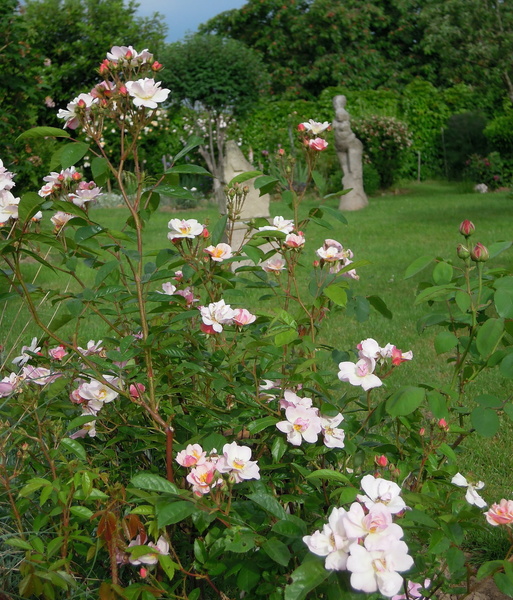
(182,16)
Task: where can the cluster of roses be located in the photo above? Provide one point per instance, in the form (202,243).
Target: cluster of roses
(304,422)
(29,373)
(310,132)
(364,540)
(207,470)
(217,314)
(479,253)
(120,70)
(68,185)
(370,354)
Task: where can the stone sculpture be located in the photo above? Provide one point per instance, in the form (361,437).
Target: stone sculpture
(349,151)
(255,205)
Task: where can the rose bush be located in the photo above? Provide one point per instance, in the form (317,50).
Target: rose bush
(205,447)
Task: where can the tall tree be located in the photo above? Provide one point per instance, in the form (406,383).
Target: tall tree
(220,79)
(472,42)
(72,37)
(312,44)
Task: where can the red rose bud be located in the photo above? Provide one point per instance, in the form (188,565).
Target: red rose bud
(422,431)
(143,572)
(205,233)
(467,228)
(281,151)
(137,390)
(156,66)
(442,423)
(462,251)
(301,127)
(479,253)
(381,461)
(122,90)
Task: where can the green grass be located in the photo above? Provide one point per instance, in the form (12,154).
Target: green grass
(391,232)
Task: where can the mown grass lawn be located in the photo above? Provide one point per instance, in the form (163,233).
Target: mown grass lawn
(395,229)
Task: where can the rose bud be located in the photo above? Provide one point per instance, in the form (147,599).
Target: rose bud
(462,251)
(381,461)
(467,228)
(479,253)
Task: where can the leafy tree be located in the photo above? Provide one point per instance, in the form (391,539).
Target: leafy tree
(472,42)
(20,89)
(68,34)
(221,79)
(312,44)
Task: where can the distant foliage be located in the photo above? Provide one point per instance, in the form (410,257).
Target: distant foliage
(462,137)
(487,170)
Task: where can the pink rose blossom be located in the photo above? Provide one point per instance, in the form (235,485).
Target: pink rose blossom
(360,374)
(318,144)
(295,240)
(203,477)
(301,424)
(243,317)
(274,264)
(57,353)
(500,514)
(181,228)
(192,455)
(220,252)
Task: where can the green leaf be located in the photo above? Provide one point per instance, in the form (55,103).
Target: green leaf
(277,551)
(75,447)
(485,421)
(495,249)
(418,516)
(99,167)
(18,543)
(405,401)
(29,205)
(241,543)
(437,404)
(195,169)
(82,512)
(261,424)
(488,336)
(506,367)
(488,568)
(105,270)
(417,265)
(505,583)
(329,475)
(72,153)
(335,214)
(248,577)
(445,341)
(503,299)
(434,292)
(269,504)
(455,559)
(42,132)
(336,294)
(379,304)
(305,578)
(218,230)
(265,184)
(288,528)
(193,142)
(242,177)
(168,566)
(442,273)
(154,483)
(84,233)
(278,448)
(463,300)
(173,512)
(285,337)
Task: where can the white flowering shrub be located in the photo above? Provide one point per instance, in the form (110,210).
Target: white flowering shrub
(202,447)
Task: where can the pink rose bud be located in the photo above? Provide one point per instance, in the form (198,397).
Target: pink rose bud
(316,263)
(422,431)
(442,423)
(381,461)
(136,390)
(122,90)
(301,127)
(462,251)
(156,66)
(281,151)
(143,572)
(207,329)
(104,67)
(467,228)
(205,233)
(479,253)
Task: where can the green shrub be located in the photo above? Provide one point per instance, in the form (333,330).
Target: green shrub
(462,137)
(371,179)
(385,141)
(486,170)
